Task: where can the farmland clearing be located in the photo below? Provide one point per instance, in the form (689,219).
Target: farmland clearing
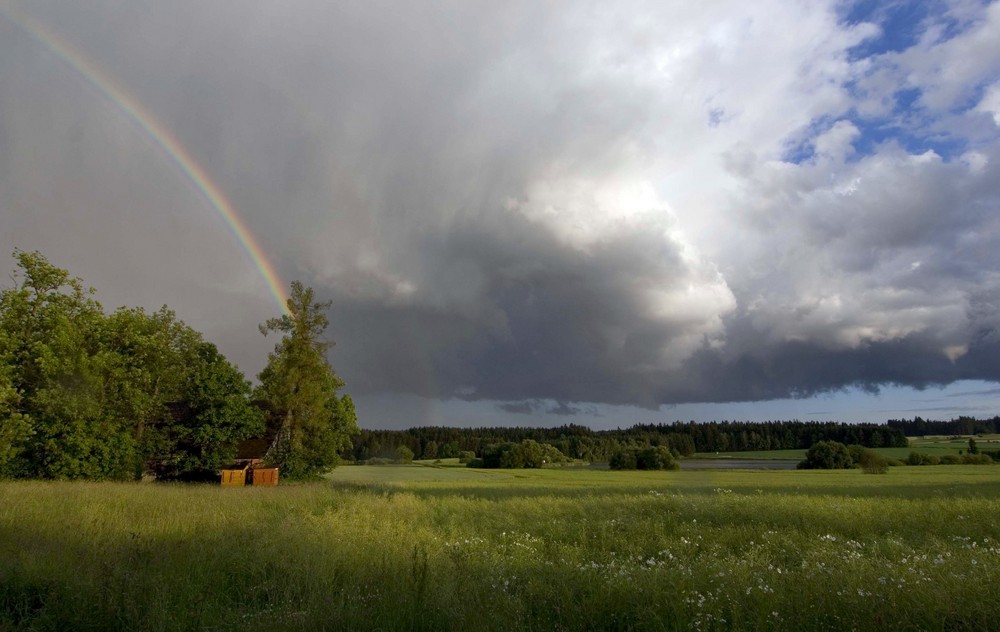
(437,547)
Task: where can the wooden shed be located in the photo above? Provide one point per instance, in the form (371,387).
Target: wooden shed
(248,468)
(235,475)
(264,476)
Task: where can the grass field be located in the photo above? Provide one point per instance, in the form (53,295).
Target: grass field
(932,445)
(442,548)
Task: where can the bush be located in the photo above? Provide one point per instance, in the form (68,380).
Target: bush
(950,459)
(976,459)
(872,462)
(466,456)
(404,454)
(526,454)
(919,458)
(623,460)
(856,451)
(827,455)
(993,454)
(656,458)
(649,458)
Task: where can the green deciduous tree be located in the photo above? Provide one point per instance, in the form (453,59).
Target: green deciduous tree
(312,424)
(87,395)
(58,370)
(211,415)
(827,455)
(404,454)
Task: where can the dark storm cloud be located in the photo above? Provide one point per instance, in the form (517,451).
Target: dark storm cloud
(537,406)
(537,207)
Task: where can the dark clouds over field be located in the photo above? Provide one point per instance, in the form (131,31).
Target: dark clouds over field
(546,208)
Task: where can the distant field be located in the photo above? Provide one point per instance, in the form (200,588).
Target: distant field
(798,455)
(937,446)
(421,471)
(420,547)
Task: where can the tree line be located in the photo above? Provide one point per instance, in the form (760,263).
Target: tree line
(86,394)
(580,442)
(919,427)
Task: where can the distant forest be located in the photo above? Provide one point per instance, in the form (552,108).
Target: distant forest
(918,427)
(581,442)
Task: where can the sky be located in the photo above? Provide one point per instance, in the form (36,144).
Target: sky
(535,213)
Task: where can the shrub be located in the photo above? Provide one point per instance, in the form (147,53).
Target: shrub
(649,458)
(950,459)
(404,454)
(856,451)
(656,458)
(993,454)
(526,454)
(872,462)
(466,456)
(827,455)
(976,459)
(624,459)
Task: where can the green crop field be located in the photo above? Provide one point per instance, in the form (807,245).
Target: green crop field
(443,548)
(935,446)
(797,455)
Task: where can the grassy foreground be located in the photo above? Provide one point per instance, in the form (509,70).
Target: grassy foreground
(442,548)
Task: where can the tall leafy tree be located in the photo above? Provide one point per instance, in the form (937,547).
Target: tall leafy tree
(86,395)
(15,428)
(189,406)
(310,421)
(56,368)
(207,420)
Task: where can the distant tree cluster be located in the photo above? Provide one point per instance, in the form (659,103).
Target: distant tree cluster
(649,458)
(921,458)
(526,454)
(833,455)
(580,442)
(90,395)
(919,427)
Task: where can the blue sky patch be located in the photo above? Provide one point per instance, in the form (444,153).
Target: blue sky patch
(902,24)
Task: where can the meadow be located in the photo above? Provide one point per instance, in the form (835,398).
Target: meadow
(433,547)
(932,445)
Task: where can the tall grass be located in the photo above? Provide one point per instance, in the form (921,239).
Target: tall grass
(916,549)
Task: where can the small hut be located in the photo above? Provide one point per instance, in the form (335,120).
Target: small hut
(248,468)
(235,475)
(264,476)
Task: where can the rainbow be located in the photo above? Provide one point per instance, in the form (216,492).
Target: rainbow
(162,137)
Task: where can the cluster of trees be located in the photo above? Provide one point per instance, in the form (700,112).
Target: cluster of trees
(833,455)
(87,394)
(526,454)
(580,442)
(919,427)
(649,458)
(971,458)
